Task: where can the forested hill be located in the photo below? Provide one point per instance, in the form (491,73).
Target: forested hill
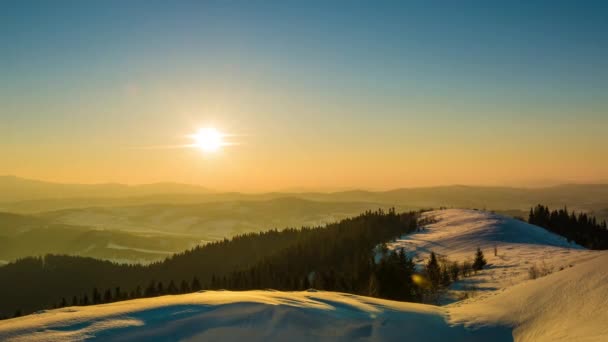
(581,228)
(344,247)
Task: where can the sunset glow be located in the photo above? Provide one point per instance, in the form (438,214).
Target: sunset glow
(209,139)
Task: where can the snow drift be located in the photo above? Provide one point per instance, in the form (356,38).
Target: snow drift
(569,305)
(250,316)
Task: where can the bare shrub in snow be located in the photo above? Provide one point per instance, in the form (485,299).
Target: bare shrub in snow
(537,271)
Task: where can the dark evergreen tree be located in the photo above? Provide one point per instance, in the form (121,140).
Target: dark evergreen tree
(151,289)
(107,297)
(582,229)
(184,287)
(196,285)
(454,270)
(433,271)
(445,276)
(96,296)
(480,260)
(172,289)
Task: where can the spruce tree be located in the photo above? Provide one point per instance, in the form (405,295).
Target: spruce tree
(196,285)
(172,289)
(433,271)
(480,260)
(107,297)
(96,296)
(184,287)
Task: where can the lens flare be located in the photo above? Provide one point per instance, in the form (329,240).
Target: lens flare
(209,139)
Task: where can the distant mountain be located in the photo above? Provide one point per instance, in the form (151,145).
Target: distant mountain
(14,189)
(27,196)
(22,236)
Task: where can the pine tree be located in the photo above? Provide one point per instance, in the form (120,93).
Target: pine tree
(196,285)
(107,297)
(96,296)
(137,292)
(184,287)
(151,289)
(117,294)
(454,270)
(480,260)
(433,271)
(172,289)
(445,276)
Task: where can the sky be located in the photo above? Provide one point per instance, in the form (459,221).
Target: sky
(310,94)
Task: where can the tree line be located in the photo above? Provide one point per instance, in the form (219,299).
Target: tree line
(581,228)
(338,257)
(277,259)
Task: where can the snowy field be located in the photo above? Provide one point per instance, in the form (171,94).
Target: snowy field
(457,233)
(570,304)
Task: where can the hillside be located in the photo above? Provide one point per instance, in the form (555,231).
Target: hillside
(503,303)
(24,235)
(214,220)
(457,233)
(559,307)
(568,305)
(246,261)
(248,315)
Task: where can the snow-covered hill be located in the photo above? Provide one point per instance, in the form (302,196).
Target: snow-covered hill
(570,304)
(247,316)
(457,233)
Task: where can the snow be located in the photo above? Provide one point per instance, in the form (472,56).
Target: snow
(457,233)
(112,245)
(248,315)
(570,304)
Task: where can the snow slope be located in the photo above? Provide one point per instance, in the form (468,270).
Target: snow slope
(250,316)
(457,233)
(569,305)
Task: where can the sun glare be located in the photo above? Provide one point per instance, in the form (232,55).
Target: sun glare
(209,139)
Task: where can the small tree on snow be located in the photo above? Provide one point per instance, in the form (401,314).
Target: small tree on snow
(480,261)
(433,271)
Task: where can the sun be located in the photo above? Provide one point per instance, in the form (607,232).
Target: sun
(208,139)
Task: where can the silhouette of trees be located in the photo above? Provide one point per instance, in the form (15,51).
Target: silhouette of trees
(580,228)
(337,257)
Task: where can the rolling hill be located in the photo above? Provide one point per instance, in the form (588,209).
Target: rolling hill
(26,235)
(569,303)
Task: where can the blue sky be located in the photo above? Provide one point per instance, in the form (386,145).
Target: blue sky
(358,74)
